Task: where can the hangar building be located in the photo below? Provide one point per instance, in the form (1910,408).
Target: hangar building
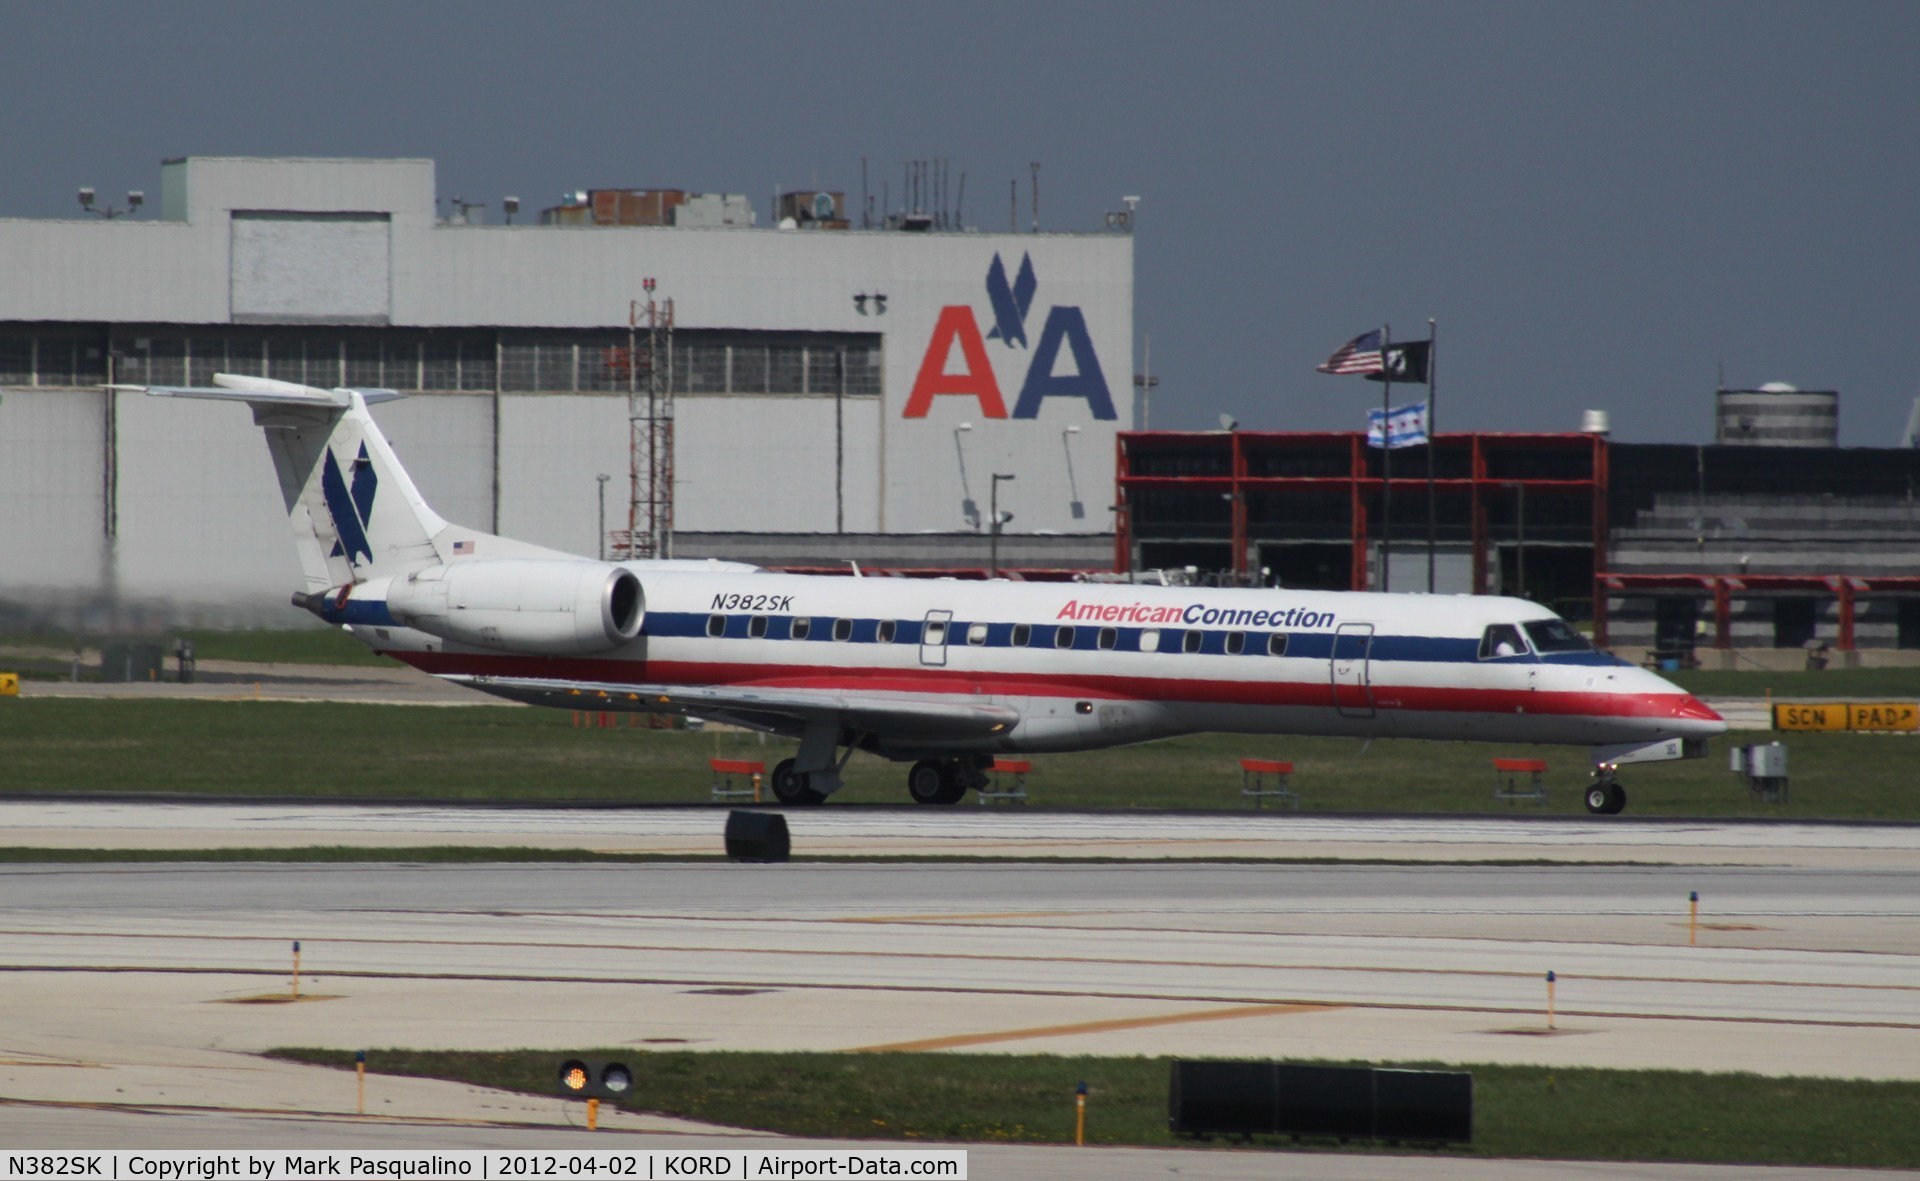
(839,393)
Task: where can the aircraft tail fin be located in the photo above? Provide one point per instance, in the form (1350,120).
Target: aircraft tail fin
(355,512)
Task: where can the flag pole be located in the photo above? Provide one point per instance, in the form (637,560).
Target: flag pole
(1386,459)
(1433,439)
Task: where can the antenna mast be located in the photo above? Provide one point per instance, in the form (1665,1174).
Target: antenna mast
(649,429)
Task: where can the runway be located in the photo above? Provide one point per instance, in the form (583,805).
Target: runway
(124,981)
(969,831)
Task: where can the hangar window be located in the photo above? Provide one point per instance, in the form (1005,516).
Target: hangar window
(1192,640)
(716,625)
(757,626)
(1277,644)
(1023,635)
(886,631)
(1109,637)
(1063,637)
(1150,640)
(976,634)
(843,629)
(802,627)
(1236,643)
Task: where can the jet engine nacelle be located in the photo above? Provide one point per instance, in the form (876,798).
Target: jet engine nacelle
(553,607)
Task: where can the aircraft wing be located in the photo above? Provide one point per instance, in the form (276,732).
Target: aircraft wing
(776,709)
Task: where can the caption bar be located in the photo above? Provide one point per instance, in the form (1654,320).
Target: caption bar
(184,1165)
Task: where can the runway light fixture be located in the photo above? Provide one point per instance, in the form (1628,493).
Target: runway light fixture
(589,1078)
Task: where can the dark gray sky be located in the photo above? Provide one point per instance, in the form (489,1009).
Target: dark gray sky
(1602,204)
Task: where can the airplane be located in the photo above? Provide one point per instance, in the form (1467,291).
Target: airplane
(941,674)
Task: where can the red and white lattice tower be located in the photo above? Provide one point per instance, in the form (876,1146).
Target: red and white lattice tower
(649,372)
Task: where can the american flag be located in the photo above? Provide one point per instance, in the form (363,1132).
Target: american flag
(463,547)
(1359,355)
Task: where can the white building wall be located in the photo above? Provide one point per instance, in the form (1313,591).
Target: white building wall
(51,490)
(766,465)
(552,448)
(446,443)
(745,464)
(200,514)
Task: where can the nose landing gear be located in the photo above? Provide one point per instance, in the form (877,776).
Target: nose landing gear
(1606,797)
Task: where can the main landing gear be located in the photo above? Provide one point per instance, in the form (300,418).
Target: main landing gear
(1606,797)
(943,781)
(792,787)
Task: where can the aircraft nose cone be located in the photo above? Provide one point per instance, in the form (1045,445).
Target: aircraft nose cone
(1691,709)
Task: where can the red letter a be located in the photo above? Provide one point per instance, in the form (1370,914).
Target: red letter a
(955,322)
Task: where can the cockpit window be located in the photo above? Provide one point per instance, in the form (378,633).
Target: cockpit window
(1553,635)
(1501,639)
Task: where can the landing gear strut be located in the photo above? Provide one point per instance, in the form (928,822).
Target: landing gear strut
(942,781)
(1606,797)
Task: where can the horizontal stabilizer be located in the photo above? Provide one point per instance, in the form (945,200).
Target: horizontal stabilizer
(238,387)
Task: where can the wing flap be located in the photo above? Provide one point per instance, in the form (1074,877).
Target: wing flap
(896,717)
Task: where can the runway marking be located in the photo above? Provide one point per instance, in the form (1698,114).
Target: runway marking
(1014,1035)
(964,918)
(1000,958)
(950,990)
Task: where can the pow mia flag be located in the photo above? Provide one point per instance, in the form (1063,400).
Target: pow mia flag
(1406,363)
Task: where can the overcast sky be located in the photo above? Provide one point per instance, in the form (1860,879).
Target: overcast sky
(1602,204)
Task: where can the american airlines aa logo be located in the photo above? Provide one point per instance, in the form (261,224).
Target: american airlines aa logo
(1010,302)
(351,510)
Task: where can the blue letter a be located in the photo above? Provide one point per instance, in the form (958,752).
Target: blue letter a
(1088,382)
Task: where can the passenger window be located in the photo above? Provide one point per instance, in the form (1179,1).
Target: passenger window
(1501,639)
(1023,635)
(886,632)
(1277,644)
(976,634)
(843,629)
(1150,640)
(1109,637)
(716,626)
(802,626)
(1063,637)
(757,626)
(1191,641)
(1236,643)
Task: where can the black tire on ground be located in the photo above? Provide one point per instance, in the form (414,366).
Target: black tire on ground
(1598,797)
(790,787)
(927,782)
(1616,799)
(954,777)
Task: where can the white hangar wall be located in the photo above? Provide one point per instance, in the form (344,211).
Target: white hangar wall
(175,500)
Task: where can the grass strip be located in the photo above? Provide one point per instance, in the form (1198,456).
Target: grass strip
(368,752)
(1519,1111)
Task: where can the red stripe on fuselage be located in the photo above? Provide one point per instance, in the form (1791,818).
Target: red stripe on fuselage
(962,683)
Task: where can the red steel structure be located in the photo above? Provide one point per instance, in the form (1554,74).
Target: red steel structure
(1477,455)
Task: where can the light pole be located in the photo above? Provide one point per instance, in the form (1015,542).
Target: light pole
(603,478)
(1074,505)
(135,199)
(995,521)
(968,509)
(1144,381)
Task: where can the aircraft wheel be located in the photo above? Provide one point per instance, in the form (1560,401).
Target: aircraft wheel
(1598,797)
(928,782)
(1616,798)
(790,787)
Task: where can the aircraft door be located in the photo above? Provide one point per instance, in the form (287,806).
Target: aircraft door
(933,638)
(1352,678)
